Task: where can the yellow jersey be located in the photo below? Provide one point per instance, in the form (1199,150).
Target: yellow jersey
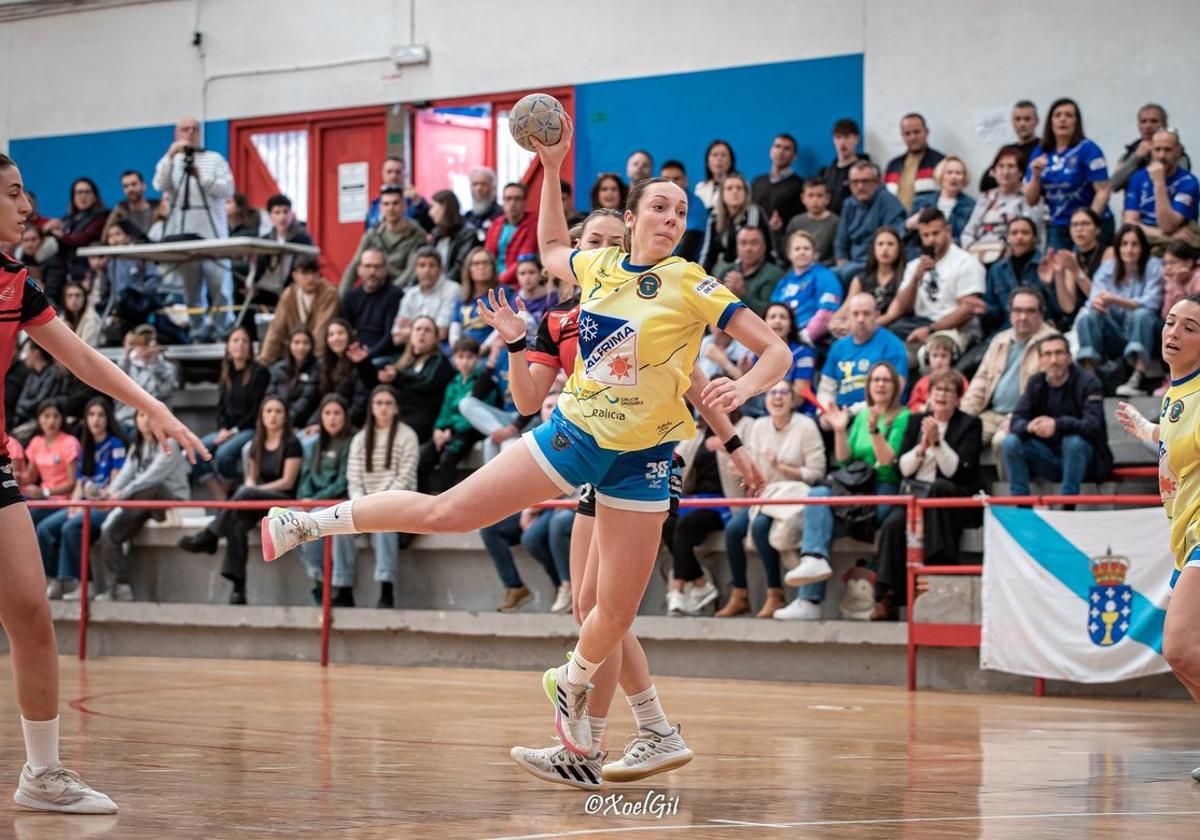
(1178,459)
(639,335)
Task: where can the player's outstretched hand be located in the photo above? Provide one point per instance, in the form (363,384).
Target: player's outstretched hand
(1134,423)
(165,426)
(500,316)
(724,394)
(747,470)
(553,156)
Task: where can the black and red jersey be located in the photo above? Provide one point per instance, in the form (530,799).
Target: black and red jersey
(557,339)
(22,304)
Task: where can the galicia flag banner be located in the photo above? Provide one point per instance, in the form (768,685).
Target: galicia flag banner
(1079,596)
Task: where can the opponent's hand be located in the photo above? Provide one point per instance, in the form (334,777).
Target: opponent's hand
(724,394)
(165,427)
(553,156)
(500,316)
(1135,423)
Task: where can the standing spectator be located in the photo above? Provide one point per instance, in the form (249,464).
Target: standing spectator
(39,253)
(480,278)
(274,272)
(733,211)
(868,208)
(420,377)
(294,378)
(697,214)
(435,296)
(951,177)
(345,370)
(149,474)
(323,476)
(609,192)
(880,278)
(81,226)
(1151,118)
(484,207)
(837,174)
(1070,171)
(372,305)
(51,457)
(79,314)
(1121,319)
(986,232)
(1164,197)
(244,220)
(638,167)
(911,174)
(1019,268)
(844,377)
(1010,360)
(453,434)
(273,461)
(778,191)
(513,236)
(810,290)
(198,180)
(1181,277)
(1025,128)
(817,219)
(719,161)
(309,302)
(1070,271)
(383,456)
(1057,429)
(144,363)
(451,237)
(136,211)
(396,237)
(751,276)
(415,207)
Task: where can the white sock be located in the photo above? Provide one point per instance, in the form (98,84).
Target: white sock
(41,743)
(580,670)
(338,519)
(648,712)
(597,725)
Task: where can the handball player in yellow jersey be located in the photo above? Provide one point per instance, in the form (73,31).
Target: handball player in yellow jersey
(641,320)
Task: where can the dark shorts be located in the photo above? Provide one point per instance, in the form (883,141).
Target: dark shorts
(10,490)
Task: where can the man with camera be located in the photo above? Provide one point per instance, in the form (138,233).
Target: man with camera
(198,180)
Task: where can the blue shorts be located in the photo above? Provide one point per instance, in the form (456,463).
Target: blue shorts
(1193,559)
(638,480)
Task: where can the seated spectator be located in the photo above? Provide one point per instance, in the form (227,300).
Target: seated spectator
(60,535)
(1019,268)
(244,220)
(451,237)
(810,290)
(308,302)
(373,305)
(719,161)
(817,219)
(79,314)
(638,166)
(778,191)
(941,353)
(396,237)
(434,296)
(241,388)
(46,380)
(837,174)
(148,474)
(720,355)
(135,213)
(144,363)
(323,476)
(383,456)
(81,226)
(1057,431)
(273,461)
(481,278)
(1070,271)
(733,212)
(1181,277)
(393,178)
(880,278)
(951,177)
(453,435)
(751,276)
(573,215)
(52,458)
(1151,118)
(1024,125)
(986,233)
(534,292)
(294,378)
(943,288)
(873,437)
(1164,198)
(781,321)
(788,449)
(500,425)
(484,207)
(1010,360)
(274,272)
(940,459)
(345,370)
(869,208)
(911,174)
(609,192)
(38,252)
(844,376)
(708,473)
(420,376)
(1121,319)
(128,292)
(1070,171)
(513,236)
(697,213)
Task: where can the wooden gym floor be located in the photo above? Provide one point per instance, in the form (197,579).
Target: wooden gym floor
(214,749)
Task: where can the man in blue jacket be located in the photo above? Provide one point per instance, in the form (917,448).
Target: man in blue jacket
(869,208)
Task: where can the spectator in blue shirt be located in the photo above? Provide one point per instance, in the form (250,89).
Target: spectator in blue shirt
(850,359)
(1019,267)
(869,208)
(1163,198)
(810,290)
(1070,171)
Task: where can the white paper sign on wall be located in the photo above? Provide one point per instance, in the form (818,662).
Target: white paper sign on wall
(352,192)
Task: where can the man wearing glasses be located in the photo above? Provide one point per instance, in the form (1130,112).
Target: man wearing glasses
(868,208)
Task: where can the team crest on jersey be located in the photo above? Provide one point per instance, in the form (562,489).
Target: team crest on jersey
(1176,411)
(608,348)
(648,286)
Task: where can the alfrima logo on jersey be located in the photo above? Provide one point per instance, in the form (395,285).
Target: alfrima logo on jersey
(608,347)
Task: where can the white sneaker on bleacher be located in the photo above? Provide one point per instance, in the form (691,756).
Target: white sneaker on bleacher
(562,600)
(677,603)
(799,610)
(812,569)
(700,597)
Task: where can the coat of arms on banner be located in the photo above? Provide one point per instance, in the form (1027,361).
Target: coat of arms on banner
(1110,601)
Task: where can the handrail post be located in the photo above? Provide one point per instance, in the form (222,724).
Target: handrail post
(85,556)
(915,556)
(326,611)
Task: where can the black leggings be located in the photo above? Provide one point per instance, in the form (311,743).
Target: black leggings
(235,527)
(689,532)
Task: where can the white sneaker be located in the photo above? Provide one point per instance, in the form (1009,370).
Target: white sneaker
(799,610)
(60,789)
(283,530)
(1133,386)
(54,590)
(570,710)
(647,754)
(1195,774)
(701,596)
(72,591)
(561,766)
(677,602)
(812,569)
(562,601)
(119,592)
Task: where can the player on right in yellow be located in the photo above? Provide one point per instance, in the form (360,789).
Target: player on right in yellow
(1177,434)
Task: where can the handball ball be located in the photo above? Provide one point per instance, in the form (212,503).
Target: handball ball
(537,115)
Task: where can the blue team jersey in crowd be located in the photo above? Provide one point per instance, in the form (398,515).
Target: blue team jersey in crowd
(848,363)
(110,457)
(1068,179)
(1182,188)
(817,288)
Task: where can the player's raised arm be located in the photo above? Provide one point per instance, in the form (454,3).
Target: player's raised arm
(554,242)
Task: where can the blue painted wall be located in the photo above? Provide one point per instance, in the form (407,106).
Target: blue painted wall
(50,164)
(677,116)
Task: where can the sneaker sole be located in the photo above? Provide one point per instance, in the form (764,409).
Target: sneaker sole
(633,774)
(708,599)
(794,580)
(268,543)
(26,801)
(550,686)
(550,777)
